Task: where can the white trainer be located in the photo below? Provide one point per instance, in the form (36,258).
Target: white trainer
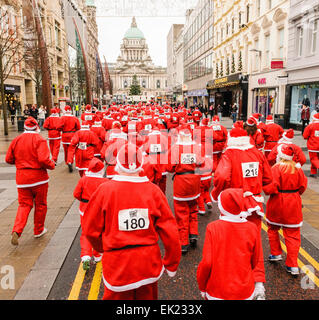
(41,234)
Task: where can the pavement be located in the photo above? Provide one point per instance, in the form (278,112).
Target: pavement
(37,262)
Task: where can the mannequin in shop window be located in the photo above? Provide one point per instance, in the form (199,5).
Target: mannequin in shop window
(305,113)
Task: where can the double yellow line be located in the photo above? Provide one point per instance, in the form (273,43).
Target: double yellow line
(301,265)
(95,285)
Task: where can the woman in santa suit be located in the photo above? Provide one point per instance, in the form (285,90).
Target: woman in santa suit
(30,154)
(231,250)
(284,207)
(86,186)
(124,220)
(273,133)
(255,134)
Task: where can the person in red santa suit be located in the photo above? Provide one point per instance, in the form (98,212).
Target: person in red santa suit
(204,135)
(124,220)
(254,133)
(184,159)
(231,250)
(311,134)
(69,125)
(86,186)
(219,142)
(100,132)
(115,132)
(243,166)
(260,125)
(284,207)
(273,133)
(30,153)
(82,147)
(287,138)
(197,115)
(54,136)
(88,115)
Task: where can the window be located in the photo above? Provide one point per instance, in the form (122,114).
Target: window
(314,36)
(299,41)
(267,50)
(257,56)
(239,20)
(269,4)
(233,25)
(281,42)
(158,84)
(247,14)
(258,8)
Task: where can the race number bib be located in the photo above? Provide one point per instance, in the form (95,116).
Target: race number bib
(159,121)
(155,148)
(133,219)
(168,116)
(316,133)
(82,145)
(124,118)
(132,126)
(192,126)
(148,127)
(250,169)
(216,128)
(88,118)
(174,119)
(188,158)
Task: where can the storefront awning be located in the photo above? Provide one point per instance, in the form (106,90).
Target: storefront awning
(228,81)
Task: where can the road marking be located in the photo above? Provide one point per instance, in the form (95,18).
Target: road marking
(77,284)
(301,265)
(96,282)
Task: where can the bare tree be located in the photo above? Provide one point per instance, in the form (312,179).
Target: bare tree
(11,51)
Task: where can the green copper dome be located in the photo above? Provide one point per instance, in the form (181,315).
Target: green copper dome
(90,3)
(134,32)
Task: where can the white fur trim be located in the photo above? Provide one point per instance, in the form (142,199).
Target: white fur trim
(285,225)
(282,155)
(242,143)
(136,179)
(214,298)
(186,199)
(32,185)
(171,274)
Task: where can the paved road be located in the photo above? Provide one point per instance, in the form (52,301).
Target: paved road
(280,285)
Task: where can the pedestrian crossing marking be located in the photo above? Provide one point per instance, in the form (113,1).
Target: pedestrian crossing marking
(77,284)
(96,282)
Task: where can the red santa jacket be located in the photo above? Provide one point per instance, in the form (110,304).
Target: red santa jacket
(151,169)
(204,135)
(258,140)
(69,124)
(86,187)
(272,135)
(107,123)
(133,125)
(30,153)
(311,134)
(230,254)
(220,138)
(100,133)
(242,167)
(89,117)
(52,124)
(197,115)
(82,146)
(124,219)
(284,207)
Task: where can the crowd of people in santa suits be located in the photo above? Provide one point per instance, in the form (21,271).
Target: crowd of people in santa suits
(124,210)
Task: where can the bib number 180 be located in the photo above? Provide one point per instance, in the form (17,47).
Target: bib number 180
(133,219)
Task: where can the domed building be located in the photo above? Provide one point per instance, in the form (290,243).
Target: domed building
(135,60)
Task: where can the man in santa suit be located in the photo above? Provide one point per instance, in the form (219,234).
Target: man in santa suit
(243,166)
(311,134)
(231,251)
(54,135)
(69,125)
(273,133)
(204,135)
(148,123)
(124,220)
(255,134)
(30,154)
(82,147)
(197,115)
(100,132)
(173,121)
(107,121)
(133,124)
(184,159)
(287,138)
(86,186)
(88,115)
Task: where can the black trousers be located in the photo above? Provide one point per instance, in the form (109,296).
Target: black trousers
(304,122)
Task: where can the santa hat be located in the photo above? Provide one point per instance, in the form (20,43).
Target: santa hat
(236,204)
(269,119)
(96,167)
(184,131)
(68,109)
(85,125)
(129,159)
(116,125)
(288,135)
(316,118)
(251,122)
(30,124)
(88,107)
(238,137)
(54,111)
(216,119)
(239,124)
(256,116)
(205,122)
(285,152)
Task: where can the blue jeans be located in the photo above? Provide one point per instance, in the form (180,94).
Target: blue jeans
(234,115)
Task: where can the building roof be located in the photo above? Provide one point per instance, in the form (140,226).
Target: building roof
(134,32)
(90,3)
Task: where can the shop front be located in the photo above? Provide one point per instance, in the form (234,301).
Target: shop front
(13,96)
(197,97)
(230,90)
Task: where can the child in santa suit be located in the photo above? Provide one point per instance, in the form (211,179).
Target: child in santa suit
(284,207)
(184,159)
(86,186)
(273,133)
(311,134)
(124,220)
(30,153)
(54,136)
(82,147)
(231,250)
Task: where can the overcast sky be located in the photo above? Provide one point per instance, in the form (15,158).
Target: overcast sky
(112,30)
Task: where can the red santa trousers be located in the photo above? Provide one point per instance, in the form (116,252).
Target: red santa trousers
(147,292)
(27,197)
(259,271)
(55,149)
(186,218)
(292,241)
(204,197)
(66,149)
(162,184)
(86,247)
(314,159)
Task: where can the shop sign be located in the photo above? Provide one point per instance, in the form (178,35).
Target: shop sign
(12,88)
(262,81)
(221,80)
(277,64)
(228,81)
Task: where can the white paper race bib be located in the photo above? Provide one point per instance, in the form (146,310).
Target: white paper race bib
(159,121)
(88,118)
(82,145)
(316,133)
(192,126)
(216,128)
(168,116)
(132,126)
(148,127)
(188,158)
(155,148)
(174,119)
(133,219)
(250,169)
(124,118)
